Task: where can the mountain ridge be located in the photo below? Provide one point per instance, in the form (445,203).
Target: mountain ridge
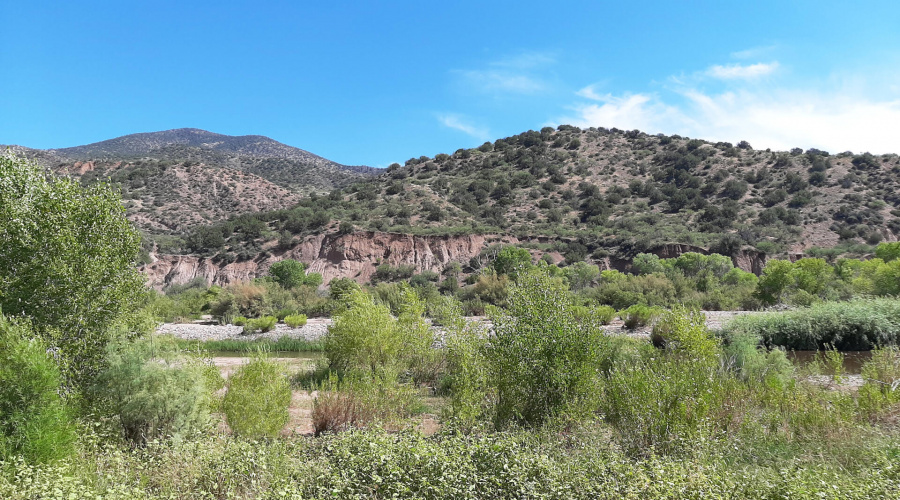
(175,179)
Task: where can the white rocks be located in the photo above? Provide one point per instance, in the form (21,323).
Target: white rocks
(314,329)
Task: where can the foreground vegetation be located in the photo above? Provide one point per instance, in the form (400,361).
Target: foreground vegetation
(543,405)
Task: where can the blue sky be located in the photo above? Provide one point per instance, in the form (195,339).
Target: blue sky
(377,82)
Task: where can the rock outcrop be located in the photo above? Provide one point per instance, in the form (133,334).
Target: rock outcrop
(356,255)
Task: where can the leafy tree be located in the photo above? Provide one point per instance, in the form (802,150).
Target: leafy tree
(511,260)
(542,360)
(888,251)
(774,280)
(647,263)
(581,275)
(66,262)
(290,273)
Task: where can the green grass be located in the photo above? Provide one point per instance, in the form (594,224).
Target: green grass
(282,344)
(856,325)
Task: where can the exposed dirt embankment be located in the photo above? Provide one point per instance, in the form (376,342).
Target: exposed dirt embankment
(356,255)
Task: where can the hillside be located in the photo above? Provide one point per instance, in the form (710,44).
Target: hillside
(599,194)
(177,179)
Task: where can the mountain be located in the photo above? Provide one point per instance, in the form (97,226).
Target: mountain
(176,179)
(601,195)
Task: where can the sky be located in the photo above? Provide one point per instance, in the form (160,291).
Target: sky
(371,83)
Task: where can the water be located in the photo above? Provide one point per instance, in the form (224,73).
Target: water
(853,360)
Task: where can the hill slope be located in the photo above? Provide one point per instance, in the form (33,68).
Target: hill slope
(177,179)
(600,193)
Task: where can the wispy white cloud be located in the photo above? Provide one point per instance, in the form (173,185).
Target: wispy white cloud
(835,120)
(590,92)
(753,52)
(740,71)
(502,81)
(519,74)
(459,123)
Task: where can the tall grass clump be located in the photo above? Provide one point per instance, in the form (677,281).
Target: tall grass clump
(35,422)
(856,325)
(881,375)
(543,363)
(360,400)
(256,403)
(155,390)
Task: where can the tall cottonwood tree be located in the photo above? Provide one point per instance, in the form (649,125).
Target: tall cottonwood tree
(66,262)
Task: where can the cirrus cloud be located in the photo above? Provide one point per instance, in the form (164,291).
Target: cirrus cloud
(740,71)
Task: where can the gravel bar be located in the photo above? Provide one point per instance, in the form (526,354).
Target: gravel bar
(316,328)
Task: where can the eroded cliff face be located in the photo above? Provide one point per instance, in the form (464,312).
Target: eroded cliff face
(356,255)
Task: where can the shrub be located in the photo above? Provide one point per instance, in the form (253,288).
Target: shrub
(295,320)
(367,337)
(467,369)
(362,337)
(361,399)
(34,421)
(257,400)
(290,273)
(601,314)
(685,331)
(882,379)
(340,288)
(263,324)
(511,260)
(155,391)
(639,315)
(848,326)
(752,362)
(604,314)
(239,321)
(542,362)
(665,404)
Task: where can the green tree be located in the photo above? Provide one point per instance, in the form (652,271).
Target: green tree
(542,361)
(289,273)
(511,260)
(67,262)
(888,251)
(776,277)
(581,275)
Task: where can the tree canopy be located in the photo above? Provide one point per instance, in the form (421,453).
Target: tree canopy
(66,262)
